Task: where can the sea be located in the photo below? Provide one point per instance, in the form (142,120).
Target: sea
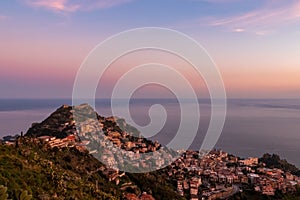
(252,126)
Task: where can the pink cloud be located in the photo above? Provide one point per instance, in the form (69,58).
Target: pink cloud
(55,5)
(74,5)
(263,20)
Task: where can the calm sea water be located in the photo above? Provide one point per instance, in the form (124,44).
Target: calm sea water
(252,127)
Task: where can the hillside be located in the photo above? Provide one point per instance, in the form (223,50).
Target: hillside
(113,141)
(55,124)
(60,159)
(67,173)
(274,161)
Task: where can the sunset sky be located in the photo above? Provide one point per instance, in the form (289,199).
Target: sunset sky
(255,43)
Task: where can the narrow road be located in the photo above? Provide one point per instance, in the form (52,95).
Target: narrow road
(235,190)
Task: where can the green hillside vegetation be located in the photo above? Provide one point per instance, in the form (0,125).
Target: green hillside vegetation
(274,161)
(251,195)
(65,173)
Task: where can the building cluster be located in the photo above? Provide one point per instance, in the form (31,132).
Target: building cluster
(211,176)
(69,141)
(118,148)
(267,181)
(219,175)
(109,139)
(113,175)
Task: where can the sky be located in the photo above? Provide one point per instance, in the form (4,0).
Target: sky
(254,43)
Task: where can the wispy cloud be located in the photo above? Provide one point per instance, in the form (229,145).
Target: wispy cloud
(74,5)
(238,30)
(263,20)
(218,1)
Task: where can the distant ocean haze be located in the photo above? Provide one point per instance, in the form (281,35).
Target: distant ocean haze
(252,127)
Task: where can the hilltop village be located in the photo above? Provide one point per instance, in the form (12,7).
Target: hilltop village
(195,175)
